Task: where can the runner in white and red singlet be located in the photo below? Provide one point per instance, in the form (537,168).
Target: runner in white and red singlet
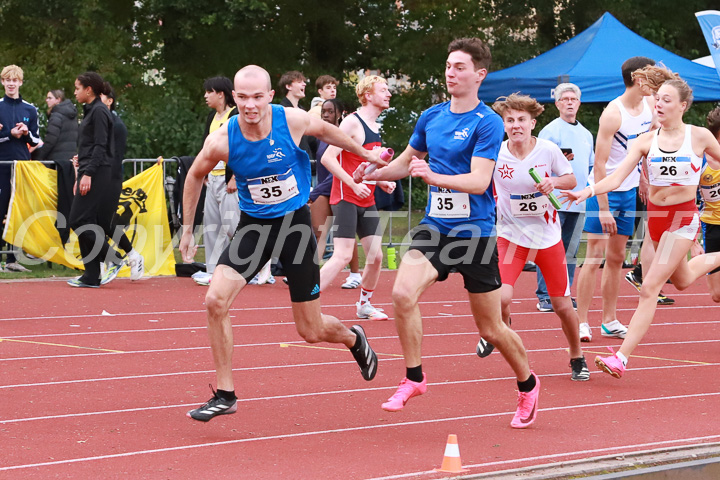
(528,225)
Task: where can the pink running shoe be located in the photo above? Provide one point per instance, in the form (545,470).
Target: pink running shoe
(610,364)
(405,392)
(527,406)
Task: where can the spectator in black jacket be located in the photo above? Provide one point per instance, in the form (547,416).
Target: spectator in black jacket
(61,137)
(133,257)
(18,130)
(93,205)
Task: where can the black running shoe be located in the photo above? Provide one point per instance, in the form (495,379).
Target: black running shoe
(364,354)
(580,372)
(663,300)
(633,280)
(484,348)
(213,407)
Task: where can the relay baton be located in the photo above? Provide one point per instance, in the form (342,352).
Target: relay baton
(385,156)
(551,195)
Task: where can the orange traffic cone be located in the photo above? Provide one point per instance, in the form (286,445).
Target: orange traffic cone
(451,461)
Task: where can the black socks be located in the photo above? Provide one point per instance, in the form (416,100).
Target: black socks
(527,385)
(414,374)
(225,395)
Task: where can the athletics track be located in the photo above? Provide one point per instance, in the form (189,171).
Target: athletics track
(87,395)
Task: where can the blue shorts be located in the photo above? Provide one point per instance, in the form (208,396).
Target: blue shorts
(622,206)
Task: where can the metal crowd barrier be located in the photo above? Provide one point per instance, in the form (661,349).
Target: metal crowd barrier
(143,163)
(140,164)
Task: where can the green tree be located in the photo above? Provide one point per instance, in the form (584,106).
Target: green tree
(158,52)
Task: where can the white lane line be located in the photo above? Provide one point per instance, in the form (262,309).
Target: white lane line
(288,307)
(283,324)
(361,428)
(175,312)
(318,393)
(391,337)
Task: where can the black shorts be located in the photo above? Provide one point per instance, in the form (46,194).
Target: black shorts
(289,238)
(711,240)
(475,258)
(351,219)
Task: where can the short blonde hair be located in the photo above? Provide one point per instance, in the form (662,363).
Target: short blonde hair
(515,101)
(12,71)
(366,85)
(654,75)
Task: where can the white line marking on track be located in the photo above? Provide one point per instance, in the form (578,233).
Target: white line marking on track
(175,312)
(288,307)
(361,428)
(321,393)
(392,337)
(253,325)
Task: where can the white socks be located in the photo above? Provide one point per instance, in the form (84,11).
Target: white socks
(365,296)
(622,358)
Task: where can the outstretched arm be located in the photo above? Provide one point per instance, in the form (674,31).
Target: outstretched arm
(612,181)
(302,123)
(476,182)
(397,169)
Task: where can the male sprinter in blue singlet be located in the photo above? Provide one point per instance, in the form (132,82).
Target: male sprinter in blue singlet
(273,180)
(463,138)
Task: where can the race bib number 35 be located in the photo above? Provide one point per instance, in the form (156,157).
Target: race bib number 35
(273,189)
(528,205)
(446,204)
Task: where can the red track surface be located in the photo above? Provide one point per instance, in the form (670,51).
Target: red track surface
(85,395)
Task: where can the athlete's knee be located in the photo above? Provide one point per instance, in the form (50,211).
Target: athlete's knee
(594,257)
(312,333)
(217,305)
(564,310)
(343,256)
(403,298)
(649,292)
(374,258)
(494,332)
(613,257)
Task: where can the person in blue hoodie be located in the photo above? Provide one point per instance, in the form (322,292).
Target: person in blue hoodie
(18,132)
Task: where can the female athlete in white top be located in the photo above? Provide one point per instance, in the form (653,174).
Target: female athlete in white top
(672,155)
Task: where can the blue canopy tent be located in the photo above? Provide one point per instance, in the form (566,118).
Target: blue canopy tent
(592,60)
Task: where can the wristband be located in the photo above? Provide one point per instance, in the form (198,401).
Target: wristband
(592,190)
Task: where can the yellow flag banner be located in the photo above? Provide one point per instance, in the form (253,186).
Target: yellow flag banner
(142,212)
(33,211)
